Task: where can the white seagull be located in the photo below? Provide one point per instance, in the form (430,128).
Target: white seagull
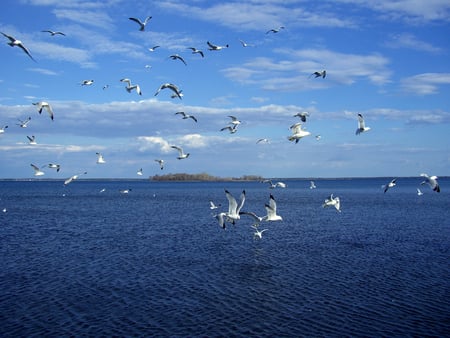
(161,163)
(419,193)
(37,171)
(271,209)
(263,140)
(234,209)
(312,185)
(275,185)
(139,172)
(100,158)
(152,49)
(234,120)
(258,233)
(231,129)
(2,129)
(302,115)
(213,206)
(73,178)
(141,24)
(41,105)
(196,51)
(53,33)
(186,116)
(432,182)
(297,132)
(14,42)
(275,30)
(54,166)
(391,184)
(32,139)
(125,191)
(361,125)
(332,201)
(87,82)
(131,87)
(24,123)
(170,86)
(178,57)
(181,154)
(215,47)
(321,74)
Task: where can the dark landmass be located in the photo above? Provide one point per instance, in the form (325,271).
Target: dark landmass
(203,177)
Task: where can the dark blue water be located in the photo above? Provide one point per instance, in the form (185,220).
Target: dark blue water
(154,262)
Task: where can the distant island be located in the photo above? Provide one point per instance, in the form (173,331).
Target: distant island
(203,177)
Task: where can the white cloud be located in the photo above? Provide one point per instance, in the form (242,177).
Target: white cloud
(426,83)
(409,41)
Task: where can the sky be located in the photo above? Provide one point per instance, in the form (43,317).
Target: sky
(388,60)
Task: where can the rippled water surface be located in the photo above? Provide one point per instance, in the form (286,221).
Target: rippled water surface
(154,262)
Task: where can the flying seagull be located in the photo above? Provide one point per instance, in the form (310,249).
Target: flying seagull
(87,82)
(321,73)
(181,154)
(271,209)
(312,185)
(302,115)
(275,185)
(232,129)
(41,105)
(419,192)
(73,178)
(213,206)
(52,33)
(275,30)
(186,116)
(215,47)
(2,130)
(14,42)
(141,24)
(244,44)
(263,140)
(37,171)
(131,87)
(297,132)
(24,123)
(432,182)
(234,209)
(391,184)
(258,233)
(161,163)
(139,172)
(361,125)
(177,57)
(332,201)
(32,139)
(152,49)
(196,51)
(100,158)
(170,86)
(234,120)
(54,166)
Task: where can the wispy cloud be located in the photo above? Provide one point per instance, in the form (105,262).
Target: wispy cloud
(425,84)
(409,41)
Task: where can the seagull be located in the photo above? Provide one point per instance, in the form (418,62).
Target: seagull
(32,139)
(258,233)
(231,129)
(332,201)
(140,23)
(54,166)
(275,185)
(181,153)
(73,178)
(87,82)
(24,123)
(52,33)
(131,87)
(275,30)
(256,219)
(318,137)
(271,209)
(196,51)
(432,182)
(297,132)
(234,209)
(302,116)
(244,44)
(41,105)
(106,86)
(139,172)
(186,116)
(37,171)
(14,42)
(234,120)
(177,57)
(263,140)
(100,159)
(2,130)
(419,193)
(161,163)
(215,47)
(212,206)
(391,184)
(312,185)
(321,73)
(361,125)
(152,49)
(170,86)
(125,191)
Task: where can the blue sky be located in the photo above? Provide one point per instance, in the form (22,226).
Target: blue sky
(387,60)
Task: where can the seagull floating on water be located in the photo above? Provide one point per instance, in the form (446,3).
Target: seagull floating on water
(24,123)
(332,201)
(297,132)
(391,184)
(41,105)
(161,163)
(216,47)
(14,42)
(100,158)
(186,116)
(432,182)
(141,24)
(37,170)
(321,74)
(74,177)
(234,209)
(361,125)
(181,154)
(196,51)
(125,191)
(53,33)
(170,86)
(302,115)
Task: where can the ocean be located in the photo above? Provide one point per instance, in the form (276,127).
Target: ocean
(155,263)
